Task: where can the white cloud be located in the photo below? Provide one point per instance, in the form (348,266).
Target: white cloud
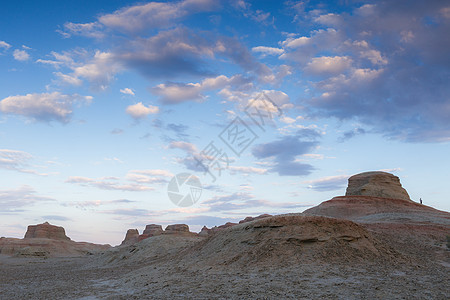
(329,183)
(99,69)
(148,176)
(134,181)
(21,55)
(328,65)
(52,63)
(296,42)
(42,107)
(374,56)
(247,170)
(185,146)
(127,91)
(11,200)
(92,30)
(69,79)
(4,45)
(14,160)
(153,14)
(139,110)
(108,184)
(179,92)
(268,50)
(329,19)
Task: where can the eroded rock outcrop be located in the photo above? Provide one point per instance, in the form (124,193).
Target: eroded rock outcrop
(249,219)
(176,229)
(153,229)
(46,240)
(376,184)
(131,237)
(46,231)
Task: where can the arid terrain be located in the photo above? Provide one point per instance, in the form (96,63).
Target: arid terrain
(365,245)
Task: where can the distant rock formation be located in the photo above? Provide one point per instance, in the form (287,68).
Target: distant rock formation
(131,237)
(176,228)
(205,231)
(46,240)
(376,184)
(46,231)
(153,229)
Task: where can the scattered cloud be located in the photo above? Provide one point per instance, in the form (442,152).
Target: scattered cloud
(328,65)
(97,203)
(134,181)
(106,183)
(4,45)
(43,107)
(140,111)
(247,170)
(21,55)
(351,134)
(244,200)
(16,200)
(153,15)
(127,91)
(285,150)
(187,147)
(329,183)
(14,160)
(172,93)
(268,50)
(117,131)
(55,218)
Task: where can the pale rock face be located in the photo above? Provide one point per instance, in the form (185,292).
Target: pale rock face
(205,231)
(46,231)
(153,229)
(131,237)
(376,184)
(176,228)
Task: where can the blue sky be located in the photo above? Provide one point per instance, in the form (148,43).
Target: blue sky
(102,103)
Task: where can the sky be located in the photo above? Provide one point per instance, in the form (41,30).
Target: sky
(271,105)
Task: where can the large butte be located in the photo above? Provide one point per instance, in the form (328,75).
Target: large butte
(376,184)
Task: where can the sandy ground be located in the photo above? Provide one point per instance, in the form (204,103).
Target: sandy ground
(57,278)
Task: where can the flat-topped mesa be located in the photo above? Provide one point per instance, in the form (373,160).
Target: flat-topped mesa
(131,237)
(153,229)
(46,231)
(376,184)
(176,228)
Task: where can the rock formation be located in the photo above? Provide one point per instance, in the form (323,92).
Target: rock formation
(45,240)
(289,239)
(378,198)
(249,219)
(131,237)
(176,228)
(153,229)
(376,184)
(205,231)
(46,231)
